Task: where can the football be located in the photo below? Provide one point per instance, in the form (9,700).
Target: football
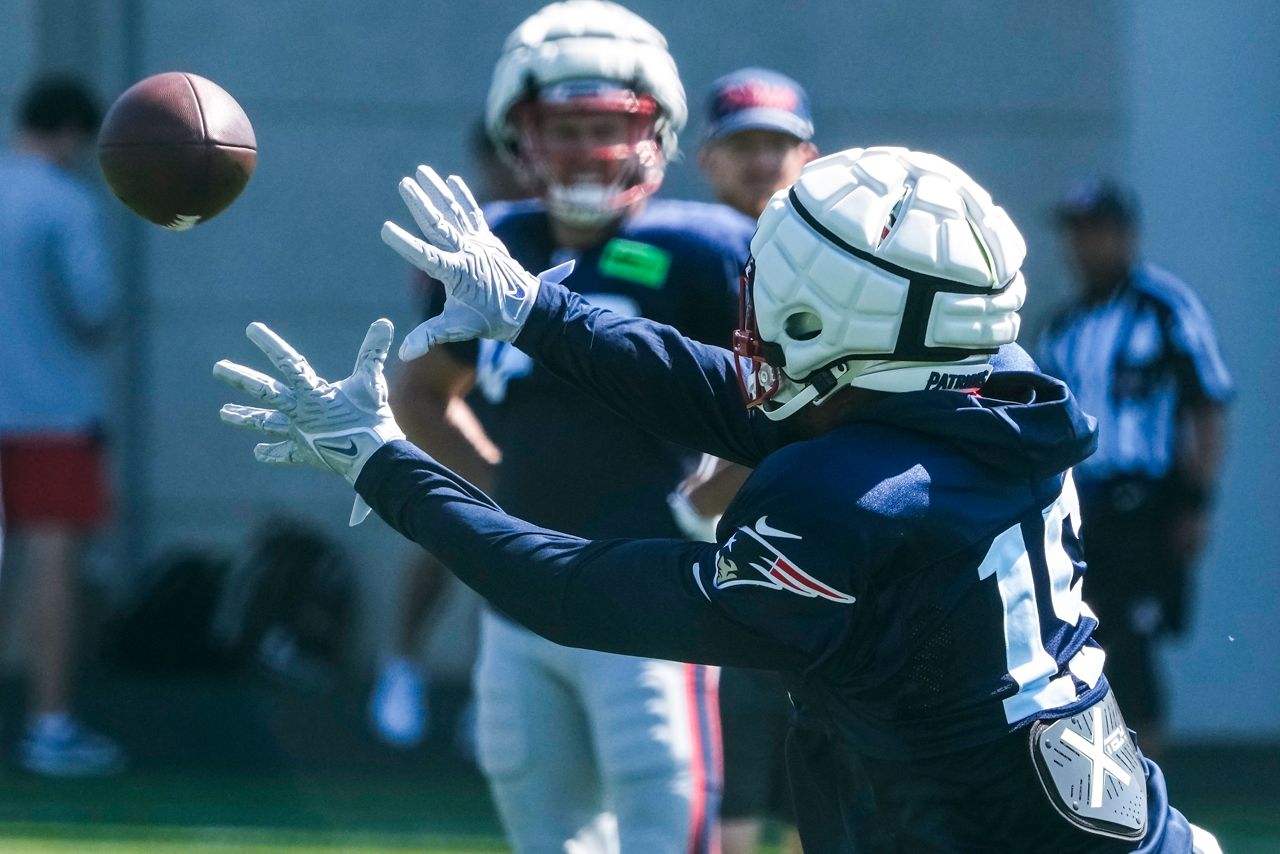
(176,149)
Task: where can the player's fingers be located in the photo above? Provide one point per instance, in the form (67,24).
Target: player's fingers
(429,219)
(257,385)
(433,224)
(475,216)
(437,263)
(376,345)
(283,453)
(442,195)
(412,249)
(458,322)
(416,343)
(437,330)
(269,421)
(292,364)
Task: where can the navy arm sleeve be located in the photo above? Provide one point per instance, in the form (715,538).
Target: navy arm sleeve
(635,597)
(670,385)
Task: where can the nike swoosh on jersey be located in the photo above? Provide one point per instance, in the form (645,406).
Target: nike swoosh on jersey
(763,529)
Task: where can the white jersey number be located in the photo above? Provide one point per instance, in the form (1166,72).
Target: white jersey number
(1030,665)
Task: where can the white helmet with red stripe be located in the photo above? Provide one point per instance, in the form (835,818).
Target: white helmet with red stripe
(881,268)
(587,57)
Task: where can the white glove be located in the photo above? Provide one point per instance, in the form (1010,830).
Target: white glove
(489,295)
(691,523)
(336,426)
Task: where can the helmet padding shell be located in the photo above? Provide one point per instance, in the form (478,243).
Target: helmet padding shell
(891,263)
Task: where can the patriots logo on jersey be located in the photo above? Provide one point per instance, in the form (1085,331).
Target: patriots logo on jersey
(750,558)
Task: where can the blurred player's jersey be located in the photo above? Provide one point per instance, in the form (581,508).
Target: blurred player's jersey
(1133,362)
(568,462)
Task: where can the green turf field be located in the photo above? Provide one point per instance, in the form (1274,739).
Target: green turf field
(240,767)
(226,840)
(218,813)
(164,811)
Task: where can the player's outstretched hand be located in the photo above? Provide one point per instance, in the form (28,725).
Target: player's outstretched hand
(488,294)
(336,426)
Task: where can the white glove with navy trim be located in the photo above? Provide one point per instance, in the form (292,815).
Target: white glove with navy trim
(691,523)
(335,426)
(489,295)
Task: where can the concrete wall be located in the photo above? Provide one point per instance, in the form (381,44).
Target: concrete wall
(1203,92)
(345,98)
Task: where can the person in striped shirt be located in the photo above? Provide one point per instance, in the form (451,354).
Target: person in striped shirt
(1138,349)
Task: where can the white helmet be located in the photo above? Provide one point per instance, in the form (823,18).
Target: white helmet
(881,268)
(587,55)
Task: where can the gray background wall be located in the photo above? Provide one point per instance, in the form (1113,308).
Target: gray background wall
(1178,97)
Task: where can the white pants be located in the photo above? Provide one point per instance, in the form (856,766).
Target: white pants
(594,752)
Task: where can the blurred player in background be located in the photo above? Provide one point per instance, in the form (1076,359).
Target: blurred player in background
(399,707)
(57,304)
(758,137)
(1138,348)
(586,748)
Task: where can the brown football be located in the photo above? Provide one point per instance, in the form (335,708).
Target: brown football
(177,149)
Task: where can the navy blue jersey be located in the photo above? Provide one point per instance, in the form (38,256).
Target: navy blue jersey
(568,462)
(1135,361)
(916,570)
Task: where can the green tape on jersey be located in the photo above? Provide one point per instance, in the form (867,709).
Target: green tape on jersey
(635,262)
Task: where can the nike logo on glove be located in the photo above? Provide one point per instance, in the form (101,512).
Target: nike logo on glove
(349,450)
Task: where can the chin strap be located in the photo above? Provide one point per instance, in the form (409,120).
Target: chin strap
(816,391)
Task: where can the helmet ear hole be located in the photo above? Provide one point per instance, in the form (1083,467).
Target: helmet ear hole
(803,326)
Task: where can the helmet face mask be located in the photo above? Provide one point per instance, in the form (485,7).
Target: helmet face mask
(590,148)
(572,61)
(760,380)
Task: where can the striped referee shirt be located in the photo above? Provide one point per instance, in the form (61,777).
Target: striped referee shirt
(1135,362)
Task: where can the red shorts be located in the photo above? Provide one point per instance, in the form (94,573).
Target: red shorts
(53,477)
